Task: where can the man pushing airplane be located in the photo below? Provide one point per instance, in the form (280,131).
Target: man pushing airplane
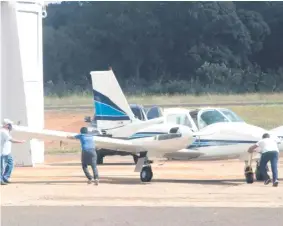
(7,162)
(89,156)
(270,152)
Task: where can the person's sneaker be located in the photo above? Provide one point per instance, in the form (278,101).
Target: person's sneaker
(267,181)
(96,182)
(275,184)
(89,181)
(3,183)
(7,181)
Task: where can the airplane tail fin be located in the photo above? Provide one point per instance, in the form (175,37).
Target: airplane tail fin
(111,106)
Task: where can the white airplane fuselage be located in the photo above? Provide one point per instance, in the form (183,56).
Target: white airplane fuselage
(218,141)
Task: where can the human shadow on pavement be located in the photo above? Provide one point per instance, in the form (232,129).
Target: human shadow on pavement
(136,181)
(79,164)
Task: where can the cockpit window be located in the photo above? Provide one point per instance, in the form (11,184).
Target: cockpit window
(138,114)
(233,117)
(212,116)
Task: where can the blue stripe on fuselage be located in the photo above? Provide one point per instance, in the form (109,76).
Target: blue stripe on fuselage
(145,134)
(210,143)
(197,143)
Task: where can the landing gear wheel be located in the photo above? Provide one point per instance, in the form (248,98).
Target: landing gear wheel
(146,174)
(249,175)
(258,175)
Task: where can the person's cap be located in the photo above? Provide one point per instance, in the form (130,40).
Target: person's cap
(7,122)
(84,130)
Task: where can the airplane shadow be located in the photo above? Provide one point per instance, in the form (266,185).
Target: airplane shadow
(128,181)
(78,164)
(136,181)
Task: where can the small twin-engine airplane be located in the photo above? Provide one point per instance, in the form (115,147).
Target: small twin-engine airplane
(179,134)
(224,134)
(217,141)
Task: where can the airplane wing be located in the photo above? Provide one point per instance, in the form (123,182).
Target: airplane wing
(26,133)
(157,145)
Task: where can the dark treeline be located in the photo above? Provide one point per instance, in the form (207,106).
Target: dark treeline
(166,47)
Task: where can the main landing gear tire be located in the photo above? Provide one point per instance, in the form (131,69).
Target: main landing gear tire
(146,174)
(249,174)
(258,175)
(99,160)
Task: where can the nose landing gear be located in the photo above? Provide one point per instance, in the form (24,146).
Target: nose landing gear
(144,168)
(146,174)
(249,174)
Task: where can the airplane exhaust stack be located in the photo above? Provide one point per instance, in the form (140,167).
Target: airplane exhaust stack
(22,97)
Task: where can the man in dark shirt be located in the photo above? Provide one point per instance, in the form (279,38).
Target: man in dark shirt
(89,156)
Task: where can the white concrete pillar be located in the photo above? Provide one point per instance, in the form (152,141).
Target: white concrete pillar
(22,97)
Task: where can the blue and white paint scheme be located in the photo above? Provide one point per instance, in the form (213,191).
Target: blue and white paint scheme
(181,134)
(110,104)
(222,134)
(112,110)
(106,109)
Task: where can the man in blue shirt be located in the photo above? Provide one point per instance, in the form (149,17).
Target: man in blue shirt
(89,156)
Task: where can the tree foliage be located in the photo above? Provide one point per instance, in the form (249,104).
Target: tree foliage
(166,46)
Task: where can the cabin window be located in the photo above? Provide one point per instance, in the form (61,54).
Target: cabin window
(180,119)
(138,113)
(232,116)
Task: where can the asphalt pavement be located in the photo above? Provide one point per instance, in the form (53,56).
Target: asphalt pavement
(140,216)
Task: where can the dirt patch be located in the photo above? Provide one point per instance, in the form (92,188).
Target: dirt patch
(69,122)
(64,121)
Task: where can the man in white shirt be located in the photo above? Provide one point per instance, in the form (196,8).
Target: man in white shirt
(7,163)
(270,152)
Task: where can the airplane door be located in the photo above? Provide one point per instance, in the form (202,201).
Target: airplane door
(154,112)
